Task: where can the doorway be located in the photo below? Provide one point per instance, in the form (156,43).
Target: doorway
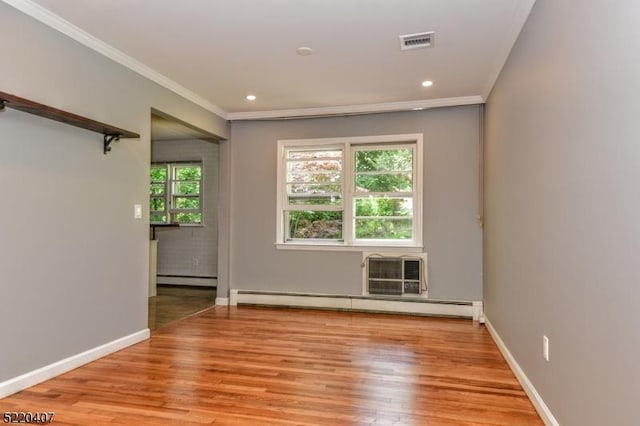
(183,220)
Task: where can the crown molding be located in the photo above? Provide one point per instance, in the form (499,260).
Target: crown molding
(354,109)
(54,21)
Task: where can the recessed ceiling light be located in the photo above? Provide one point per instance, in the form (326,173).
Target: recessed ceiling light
(427,83)
(417,109)
(304,51)
(251,97)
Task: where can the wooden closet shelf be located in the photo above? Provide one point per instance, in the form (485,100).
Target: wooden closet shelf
(110,133)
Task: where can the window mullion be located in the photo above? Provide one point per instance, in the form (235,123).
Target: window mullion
(167,194)
(384,194)
(320,208)
(185,211)
(417,195)
(282,227)
(347,191)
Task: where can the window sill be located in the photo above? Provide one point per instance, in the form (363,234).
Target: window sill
(391,249)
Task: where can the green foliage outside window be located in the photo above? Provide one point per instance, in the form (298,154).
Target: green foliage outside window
(384,218)
(157,189)
(187,218)
(188,173)
(158,173)
(383,207)
(388,170)
(383,160)
(186,202)
(186,188)
(384,171)
(157,218)
(157,204)
(324,225)
(384,229)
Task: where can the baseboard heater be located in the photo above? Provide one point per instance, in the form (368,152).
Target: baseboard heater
(400,305)
(205,281)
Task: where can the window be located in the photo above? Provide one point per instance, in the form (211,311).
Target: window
(363,191)
(176,193)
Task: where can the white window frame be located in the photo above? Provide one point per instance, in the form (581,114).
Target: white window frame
(349,145)
(169,193)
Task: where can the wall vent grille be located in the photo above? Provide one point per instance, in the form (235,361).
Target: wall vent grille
(416,41)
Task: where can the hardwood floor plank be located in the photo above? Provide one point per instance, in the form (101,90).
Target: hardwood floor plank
(266,366)
(176,302)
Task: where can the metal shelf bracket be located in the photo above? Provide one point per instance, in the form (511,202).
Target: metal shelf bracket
(107,142)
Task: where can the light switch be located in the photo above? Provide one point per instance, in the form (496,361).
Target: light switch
(137,211)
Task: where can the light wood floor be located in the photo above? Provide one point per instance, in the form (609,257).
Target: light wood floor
(263,366)
(176,302)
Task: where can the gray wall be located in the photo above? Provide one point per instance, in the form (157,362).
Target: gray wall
(178,247)
(73,261)
(562,234)
(451,233)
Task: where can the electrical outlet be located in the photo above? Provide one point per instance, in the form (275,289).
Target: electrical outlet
(196,262)
(137,211)
(545,348)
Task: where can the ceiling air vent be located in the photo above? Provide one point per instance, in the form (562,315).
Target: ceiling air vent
(416,41)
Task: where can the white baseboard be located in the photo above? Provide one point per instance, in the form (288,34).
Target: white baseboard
(194,281)
(537,401)
(471,310)
(50,371)
(222,301)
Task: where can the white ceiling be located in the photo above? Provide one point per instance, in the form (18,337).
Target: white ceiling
(216,52)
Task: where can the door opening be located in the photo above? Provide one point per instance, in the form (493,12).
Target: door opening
(183,220)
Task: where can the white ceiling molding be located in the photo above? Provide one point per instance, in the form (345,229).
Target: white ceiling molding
(355,109)
(54,21)
(523,8)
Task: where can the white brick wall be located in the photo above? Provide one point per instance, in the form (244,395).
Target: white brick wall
(191,251)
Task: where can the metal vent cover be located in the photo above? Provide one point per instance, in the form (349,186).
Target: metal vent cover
(394,276)
(416,41)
